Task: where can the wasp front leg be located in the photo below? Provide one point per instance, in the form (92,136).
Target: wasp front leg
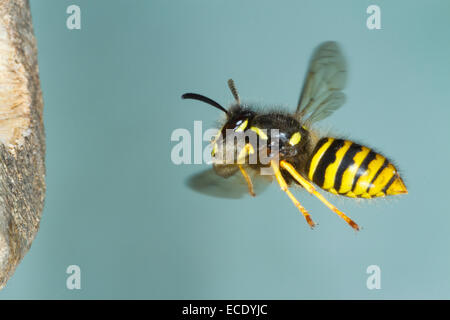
(249,181)
(248,149)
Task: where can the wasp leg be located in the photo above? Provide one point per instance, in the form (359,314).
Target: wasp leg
(247,149)
(249,181)
(284,187)
(310,188)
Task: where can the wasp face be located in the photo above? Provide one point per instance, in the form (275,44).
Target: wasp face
(239,120)
(233,136)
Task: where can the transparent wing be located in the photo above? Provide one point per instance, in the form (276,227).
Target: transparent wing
(234,187)
(322,90)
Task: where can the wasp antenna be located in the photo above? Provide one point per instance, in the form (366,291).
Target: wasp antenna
(207,100)
(234,91)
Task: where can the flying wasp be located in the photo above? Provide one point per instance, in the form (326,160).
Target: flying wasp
(302,155)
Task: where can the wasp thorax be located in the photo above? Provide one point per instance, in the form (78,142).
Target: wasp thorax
(243,143)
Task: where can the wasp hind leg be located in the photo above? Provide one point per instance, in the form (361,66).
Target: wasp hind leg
(310,188)
(284,187)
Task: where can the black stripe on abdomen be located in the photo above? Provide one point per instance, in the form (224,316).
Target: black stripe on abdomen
(346,162)
(363,167)
(328,158)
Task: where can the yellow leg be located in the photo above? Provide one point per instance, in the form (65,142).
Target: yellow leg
(249,181)
(247,149)
(310,188)
(284,187)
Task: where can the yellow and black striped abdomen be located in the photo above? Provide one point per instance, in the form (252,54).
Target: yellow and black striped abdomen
(349,169)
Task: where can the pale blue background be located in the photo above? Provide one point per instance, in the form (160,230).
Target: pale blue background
(117,206)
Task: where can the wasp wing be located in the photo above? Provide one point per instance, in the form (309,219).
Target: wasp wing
(234,187)
(322,90)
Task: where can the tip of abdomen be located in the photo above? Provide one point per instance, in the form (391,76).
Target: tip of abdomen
(397,187)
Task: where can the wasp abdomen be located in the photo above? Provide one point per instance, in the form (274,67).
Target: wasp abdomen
(350,169)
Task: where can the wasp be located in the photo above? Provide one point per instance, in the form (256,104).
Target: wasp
(303,155)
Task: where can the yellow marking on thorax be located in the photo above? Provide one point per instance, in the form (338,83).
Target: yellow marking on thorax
(242,126)
(330,172)
(295,139)
(363,183)
(350,172)
(259,132)
(382,179)
(317,156)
